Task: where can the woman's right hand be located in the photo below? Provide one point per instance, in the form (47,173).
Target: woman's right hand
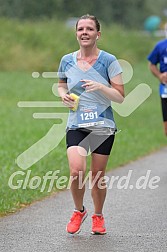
(68,101)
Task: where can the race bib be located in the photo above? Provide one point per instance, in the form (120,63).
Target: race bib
(89,116)
(165,60)
(163,90)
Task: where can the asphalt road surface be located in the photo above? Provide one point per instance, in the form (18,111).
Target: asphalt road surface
(135,214)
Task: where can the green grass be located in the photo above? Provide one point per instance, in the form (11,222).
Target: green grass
(39,46)
(27,47)
(142,131)
(19,131)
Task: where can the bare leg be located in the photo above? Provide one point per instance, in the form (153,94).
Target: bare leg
(77,163)
(99,163)
(165,128)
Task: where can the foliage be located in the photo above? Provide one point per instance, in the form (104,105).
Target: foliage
(128,13)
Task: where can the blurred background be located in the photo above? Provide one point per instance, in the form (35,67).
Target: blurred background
(34,35)
(128,13)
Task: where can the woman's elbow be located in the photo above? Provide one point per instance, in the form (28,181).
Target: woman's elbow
(121,99)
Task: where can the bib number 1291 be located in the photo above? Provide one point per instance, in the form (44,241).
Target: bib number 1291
(88,116)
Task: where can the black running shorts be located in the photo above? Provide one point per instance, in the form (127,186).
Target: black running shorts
(101,144)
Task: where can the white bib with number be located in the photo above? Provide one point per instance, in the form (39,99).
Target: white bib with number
(89,116)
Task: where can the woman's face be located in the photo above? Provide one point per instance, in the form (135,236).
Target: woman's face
(87,33)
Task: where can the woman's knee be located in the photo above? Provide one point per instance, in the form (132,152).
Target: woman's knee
(97,177)
(77,169)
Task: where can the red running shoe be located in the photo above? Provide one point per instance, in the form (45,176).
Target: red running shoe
(74,225)
(98,226)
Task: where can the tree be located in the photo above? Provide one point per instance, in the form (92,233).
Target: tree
(129,13)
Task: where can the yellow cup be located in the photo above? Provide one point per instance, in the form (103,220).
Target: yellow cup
(76,99)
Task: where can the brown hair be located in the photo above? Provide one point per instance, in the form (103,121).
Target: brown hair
(87,16)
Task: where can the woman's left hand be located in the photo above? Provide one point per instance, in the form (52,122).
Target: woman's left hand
(91,85)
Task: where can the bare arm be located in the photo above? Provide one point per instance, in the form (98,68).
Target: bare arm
(162,77)
(62,88)
(63,93)
(118,88)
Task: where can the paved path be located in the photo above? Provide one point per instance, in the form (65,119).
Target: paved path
(136,219)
